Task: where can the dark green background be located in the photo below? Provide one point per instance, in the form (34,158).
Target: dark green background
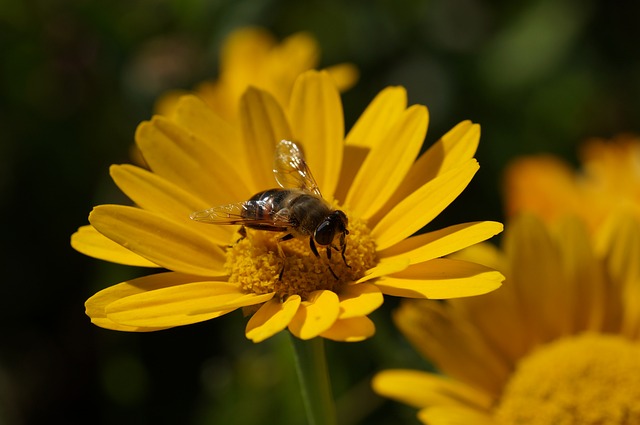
(78,76)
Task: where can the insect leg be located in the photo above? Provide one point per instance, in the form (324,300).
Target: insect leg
(313,247)
(242,231)
(342,252)
(317,254)
(286,237)
(329,264)
(344,248)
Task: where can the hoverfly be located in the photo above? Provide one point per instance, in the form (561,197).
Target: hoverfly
(297,208)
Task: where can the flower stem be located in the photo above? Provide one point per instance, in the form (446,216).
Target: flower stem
(313,374)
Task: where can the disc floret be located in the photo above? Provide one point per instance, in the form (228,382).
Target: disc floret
(255,264)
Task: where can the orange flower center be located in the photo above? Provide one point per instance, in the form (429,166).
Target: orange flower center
(590,379)
(255,263)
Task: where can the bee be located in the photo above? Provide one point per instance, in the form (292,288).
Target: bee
(296,208)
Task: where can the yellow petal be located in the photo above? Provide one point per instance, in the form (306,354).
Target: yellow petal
(297,53)
(244,49)
(271,318)
(483,253)
(169,244)
(442,242)
(353,329)
(618,241)
(344,75)
(359,299)
(376,121)
(499,325)
(497,314)
(243,61)
(388,162)
(420,389)
(167,102)
(181,305)
(544,185)
(536,281)
(384,268)
(151,192)
(263,125)
(89,241)
(192,113)
(459,349)
(194,165)
(353,157)
(440,279)
(423,205)
(584,287)
(222,97)
(317,121)
(96,305)
(316,315)
(370,129)
(455,415)
(457,146)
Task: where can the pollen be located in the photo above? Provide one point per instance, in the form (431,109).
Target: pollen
(590,379)
(254,262)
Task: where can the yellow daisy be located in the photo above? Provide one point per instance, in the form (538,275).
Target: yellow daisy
(559,343)
(198,161)
(550,188)
(251,56)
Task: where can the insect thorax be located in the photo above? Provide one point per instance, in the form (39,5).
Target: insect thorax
(308,211)
(302,210)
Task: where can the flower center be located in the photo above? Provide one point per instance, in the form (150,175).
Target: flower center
(590,379)
(255,263)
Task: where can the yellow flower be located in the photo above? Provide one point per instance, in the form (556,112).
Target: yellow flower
(559,343)
(251,56)
(548,187)
(197,160)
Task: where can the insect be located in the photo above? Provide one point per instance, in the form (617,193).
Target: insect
(297,208)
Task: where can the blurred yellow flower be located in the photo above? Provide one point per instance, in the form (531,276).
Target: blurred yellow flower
(197,160)
(559,343)
(251,56)
(550,188)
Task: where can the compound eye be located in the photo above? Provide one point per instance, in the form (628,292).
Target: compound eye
(324,233)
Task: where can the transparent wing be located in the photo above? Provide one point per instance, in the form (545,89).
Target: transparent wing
(255,214)
(291,170)
(223,214)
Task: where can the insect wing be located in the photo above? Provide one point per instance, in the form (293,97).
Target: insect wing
(249,213)
(291,170)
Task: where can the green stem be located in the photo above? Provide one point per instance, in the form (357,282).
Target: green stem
(311,365)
